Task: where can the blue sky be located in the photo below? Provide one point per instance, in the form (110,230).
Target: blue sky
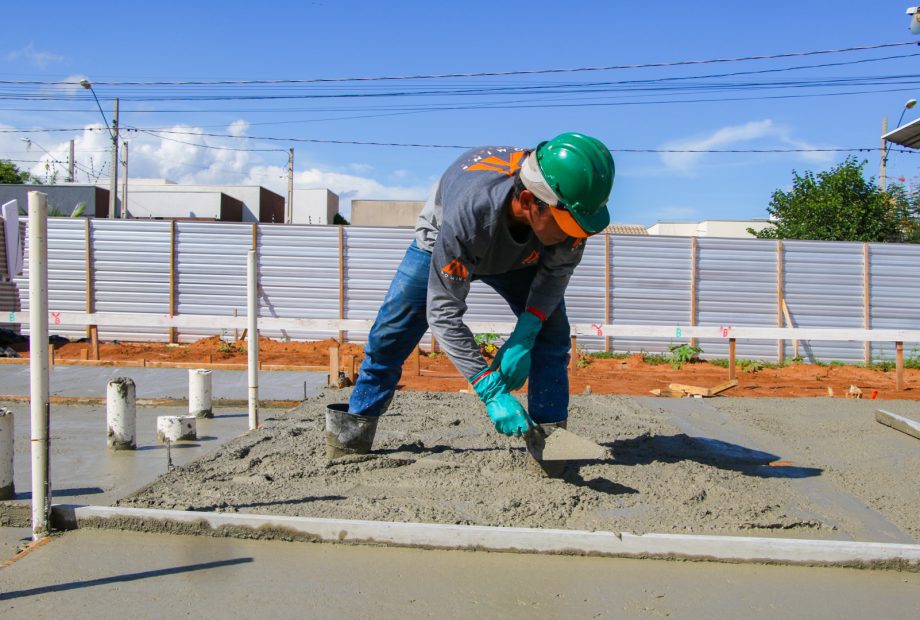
(176,41)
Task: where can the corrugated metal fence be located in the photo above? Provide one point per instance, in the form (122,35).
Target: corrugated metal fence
(329,272)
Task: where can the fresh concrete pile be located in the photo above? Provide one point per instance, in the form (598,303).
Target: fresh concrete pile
(436,459)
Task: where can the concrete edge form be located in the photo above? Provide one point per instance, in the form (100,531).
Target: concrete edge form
(504,539)
(899,423)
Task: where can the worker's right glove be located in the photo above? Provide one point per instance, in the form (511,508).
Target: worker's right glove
(513,359)
(506,413)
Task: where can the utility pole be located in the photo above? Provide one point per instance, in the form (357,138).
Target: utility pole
(113,190)
(883,165)
(70,164)
(124,188)
(289,212)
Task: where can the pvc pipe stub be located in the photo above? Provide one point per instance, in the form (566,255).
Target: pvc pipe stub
(199,393)
(121,414)
(7,490)
(176,428)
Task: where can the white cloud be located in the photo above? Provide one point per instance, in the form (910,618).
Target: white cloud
(238,128)
(731,137)
(175,156)
(37,57)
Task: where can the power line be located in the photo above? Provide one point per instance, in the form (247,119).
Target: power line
(457,146)
(435,76)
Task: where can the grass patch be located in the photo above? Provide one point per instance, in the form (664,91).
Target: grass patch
(609,355)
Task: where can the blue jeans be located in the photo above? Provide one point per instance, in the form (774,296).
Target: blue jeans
(402,321)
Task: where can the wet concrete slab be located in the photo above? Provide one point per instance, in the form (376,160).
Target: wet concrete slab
(84,471)
(110,574)
(91,381)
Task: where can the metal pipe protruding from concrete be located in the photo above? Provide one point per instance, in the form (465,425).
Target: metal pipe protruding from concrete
(252,311)
(199,393)
(7,490)
(121,414)
(176,428)
(38,363)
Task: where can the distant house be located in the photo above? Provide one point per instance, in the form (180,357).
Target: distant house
(314,206)
(162,198)
(709,228)
(385,212)
(63,198)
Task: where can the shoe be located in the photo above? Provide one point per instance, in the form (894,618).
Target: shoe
(348,433)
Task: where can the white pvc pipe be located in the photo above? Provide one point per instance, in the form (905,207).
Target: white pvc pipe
(7,489)
(121,414)
(176,428)
(199,393)
(38,362)
(252,312)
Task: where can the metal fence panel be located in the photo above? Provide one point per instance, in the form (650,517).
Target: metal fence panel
(585,297)
(737,285)
(894,283)
(650,286)
(298,276)
(211,271)
(66,274)
(131,273)
(371,258)
(649,281)
(823,287)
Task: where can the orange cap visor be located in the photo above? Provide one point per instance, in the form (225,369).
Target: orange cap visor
(568,224)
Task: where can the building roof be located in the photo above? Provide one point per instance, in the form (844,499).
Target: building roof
(625,229)
(906,135)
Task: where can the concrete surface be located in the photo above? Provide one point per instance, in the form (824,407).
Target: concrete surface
(84,471)
(90,382)
(91,573)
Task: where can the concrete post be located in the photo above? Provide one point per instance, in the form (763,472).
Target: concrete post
(121,414)
(38,364)
(199,393)
(7,491)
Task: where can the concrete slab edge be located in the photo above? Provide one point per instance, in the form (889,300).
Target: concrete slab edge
(504,539)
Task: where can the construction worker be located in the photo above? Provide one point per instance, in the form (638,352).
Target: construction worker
(517,220)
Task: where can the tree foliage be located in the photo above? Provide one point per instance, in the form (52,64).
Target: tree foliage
(840,204)
(339,219)
(9,173)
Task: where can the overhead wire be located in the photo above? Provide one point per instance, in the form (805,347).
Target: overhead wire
(433,76)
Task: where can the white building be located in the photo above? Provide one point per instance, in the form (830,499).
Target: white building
(709,228)
(158,198)
(314,206)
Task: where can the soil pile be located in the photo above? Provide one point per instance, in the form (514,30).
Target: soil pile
(437,459)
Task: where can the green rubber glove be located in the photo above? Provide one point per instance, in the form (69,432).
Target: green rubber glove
(513,359)
(506,413)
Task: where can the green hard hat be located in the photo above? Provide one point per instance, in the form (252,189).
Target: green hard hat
(579,169)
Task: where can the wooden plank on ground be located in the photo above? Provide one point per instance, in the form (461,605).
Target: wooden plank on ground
(695,390)
(666,393)
(898,422)
(722,387)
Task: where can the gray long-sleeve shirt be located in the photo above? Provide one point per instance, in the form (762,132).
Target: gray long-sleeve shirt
(464,225)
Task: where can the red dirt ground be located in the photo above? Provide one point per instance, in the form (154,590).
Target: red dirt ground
(604,376)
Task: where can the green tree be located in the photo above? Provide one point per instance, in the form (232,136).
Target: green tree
(339,219)
(9,173)
(839,205)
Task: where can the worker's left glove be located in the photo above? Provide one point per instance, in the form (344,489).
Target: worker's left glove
(513,359)
(507,414)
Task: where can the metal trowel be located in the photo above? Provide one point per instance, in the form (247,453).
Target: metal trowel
(564,445)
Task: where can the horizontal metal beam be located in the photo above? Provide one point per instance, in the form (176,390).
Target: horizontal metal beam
(674,332)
